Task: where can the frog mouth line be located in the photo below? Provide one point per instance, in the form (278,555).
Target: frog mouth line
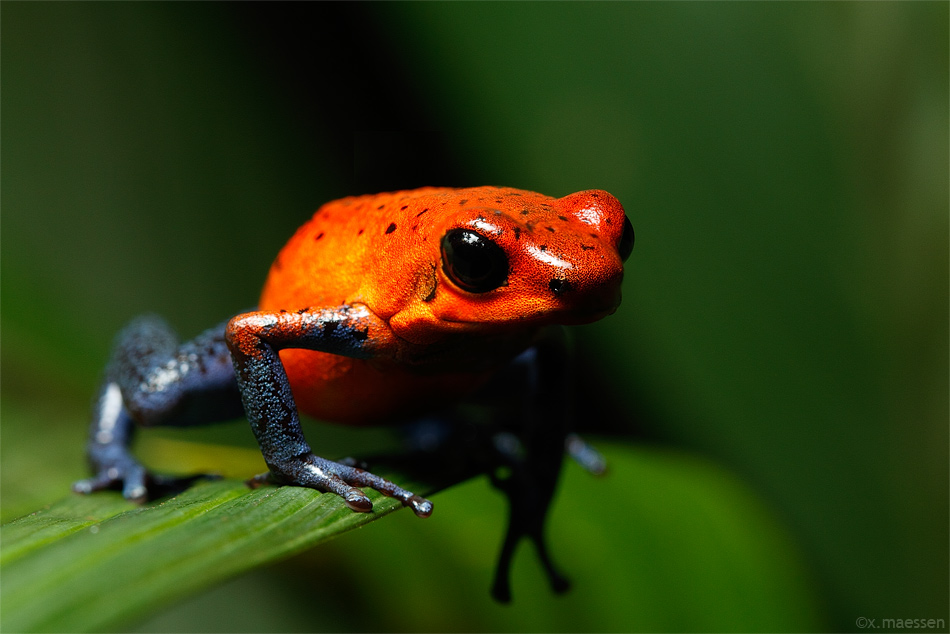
(542,318)
(578,318)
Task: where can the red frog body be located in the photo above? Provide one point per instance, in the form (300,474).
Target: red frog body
(379,309)
(385,252)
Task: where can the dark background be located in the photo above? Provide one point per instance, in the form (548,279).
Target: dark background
(772,394)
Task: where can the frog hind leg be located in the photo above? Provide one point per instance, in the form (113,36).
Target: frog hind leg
(533,453)
(153,380)
(528,502)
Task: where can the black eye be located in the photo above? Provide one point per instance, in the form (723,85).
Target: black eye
(625,246)
(473,262)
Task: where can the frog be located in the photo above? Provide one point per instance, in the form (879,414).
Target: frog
(382,309)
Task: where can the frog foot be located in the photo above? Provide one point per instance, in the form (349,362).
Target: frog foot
(586,455)
(324,475)
(136,483)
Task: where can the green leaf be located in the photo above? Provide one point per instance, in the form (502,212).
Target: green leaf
(666,541)
(97,562)
(93,563)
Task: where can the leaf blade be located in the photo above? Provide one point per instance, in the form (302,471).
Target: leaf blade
(131,562)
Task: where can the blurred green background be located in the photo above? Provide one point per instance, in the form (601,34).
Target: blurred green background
(773,392)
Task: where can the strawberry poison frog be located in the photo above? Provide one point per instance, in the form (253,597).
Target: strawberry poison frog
(381,309)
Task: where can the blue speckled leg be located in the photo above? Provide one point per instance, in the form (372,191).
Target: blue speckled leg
(518,432)
(534,454)
(153,380)
(255,340)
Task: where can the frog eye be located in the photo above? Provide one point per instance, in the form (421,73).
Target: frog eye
(473,262)
(625,245)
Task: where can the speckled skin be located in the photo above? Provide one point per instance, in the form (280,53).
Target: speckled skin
(379,309)
(383,252)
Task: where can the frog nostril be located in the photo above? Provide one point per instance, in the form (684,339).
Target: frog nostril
(559,286)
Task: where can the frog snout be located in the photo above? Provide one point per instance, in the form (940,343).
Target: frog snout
(586,296)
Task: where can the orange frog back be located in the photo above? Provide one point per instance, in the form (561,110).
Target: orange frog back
(464,279)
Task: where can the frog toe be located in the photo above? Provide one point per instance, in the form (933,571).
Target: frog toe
(131,479)
(357,501)
(98,482)
(344,480)
(134,489)
(137,484)
(360,477)
(420,506)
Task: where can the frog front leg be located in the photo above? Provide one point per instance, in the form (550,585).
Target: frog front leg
(255,340)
